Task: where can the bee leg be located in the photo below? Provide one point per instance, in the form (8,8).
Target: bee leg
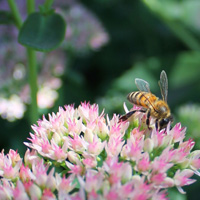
(156,124)
(147,120)
(129,114)
(126,116)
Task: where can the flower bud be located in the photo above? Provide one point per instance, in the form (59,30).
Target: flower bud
(148,145)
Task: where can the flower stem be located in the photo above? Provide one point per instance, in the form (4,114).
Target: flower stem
(30,6)
(15,13)
(32,65)
(31,57)
(48,4)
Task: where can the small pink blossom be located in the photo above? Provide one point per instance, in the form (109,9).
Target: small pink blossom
(161,139)
(75,169)
(19,192)
(187,146)
(57,153)
(182,178)
(158,178)
(178,133)
(133,149)
(48,195)
(75,126)
(43,179)
(160,195)
(89,161)
(14,156)
(114,145)
(77,143)
(143,164)
(94,180)
(26,174)
(88,112)
(33,190)
(160,164)
(96,146)
(64,185)
(9,171)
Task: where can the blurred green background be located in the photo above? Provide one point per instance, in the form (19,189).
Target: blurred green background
(108,44)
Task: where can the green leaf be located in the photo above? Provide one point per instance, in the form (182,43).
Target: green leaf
(6,17)
(42,32)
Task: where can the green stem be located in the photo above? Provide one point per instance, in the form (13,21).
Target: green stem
(179,30)
(15,13)
(48,4)
(30,6)
(32,65)
(31,57)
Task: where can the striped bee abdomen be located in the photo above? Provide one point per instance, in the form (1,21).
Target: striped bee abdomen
(144,99)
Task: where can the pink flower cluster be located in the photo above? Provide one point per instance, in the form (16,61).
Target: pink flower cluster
(98,158)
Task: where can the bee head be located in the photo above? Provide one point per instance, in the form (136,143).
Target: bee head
(163,122)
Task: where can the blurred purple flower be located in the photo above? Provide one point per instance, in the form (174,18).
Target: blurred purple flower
(84,33)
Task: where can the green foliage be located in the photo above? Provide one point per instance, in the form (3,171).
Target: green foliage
(42,32)
(5,17)
(174,194)
(189,115)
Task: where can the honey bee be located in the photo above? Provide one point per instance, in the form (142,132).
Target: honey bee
(150,104)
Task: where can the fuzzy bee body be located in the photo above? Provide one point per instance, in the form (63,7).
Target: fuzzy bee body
(149,103)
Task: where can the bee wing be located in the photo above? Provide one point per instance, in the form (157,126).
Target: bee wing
(142,85)
(163,83)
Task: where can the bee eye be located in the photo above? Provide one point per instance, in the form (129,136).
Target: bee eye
(164,121)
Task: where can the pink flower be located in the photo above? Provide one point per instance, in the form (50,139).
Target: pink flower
(31,157)
(73,157)
(6,189)
(118,171)
(161,139)
(19,192)
(57,153)
(158,178)
(89,161)
(160,164)
(69,113)
(94,181)
(33,190)
(187,146)
(178,133)
(143,165)
(77,143)
(10,171)
(160,195)
(112,194)
(142,190)
(133,149)
(98,126)
(64,185)
(43,179)
(114,145)
(14,156)
(100,159)
(26,174)
(48,195)
(182,178)
(89,112)
(75,126)
(75,169)
(96,146)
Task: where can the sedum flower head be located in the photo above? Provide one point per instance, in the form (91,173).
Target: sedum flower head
(97,157)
